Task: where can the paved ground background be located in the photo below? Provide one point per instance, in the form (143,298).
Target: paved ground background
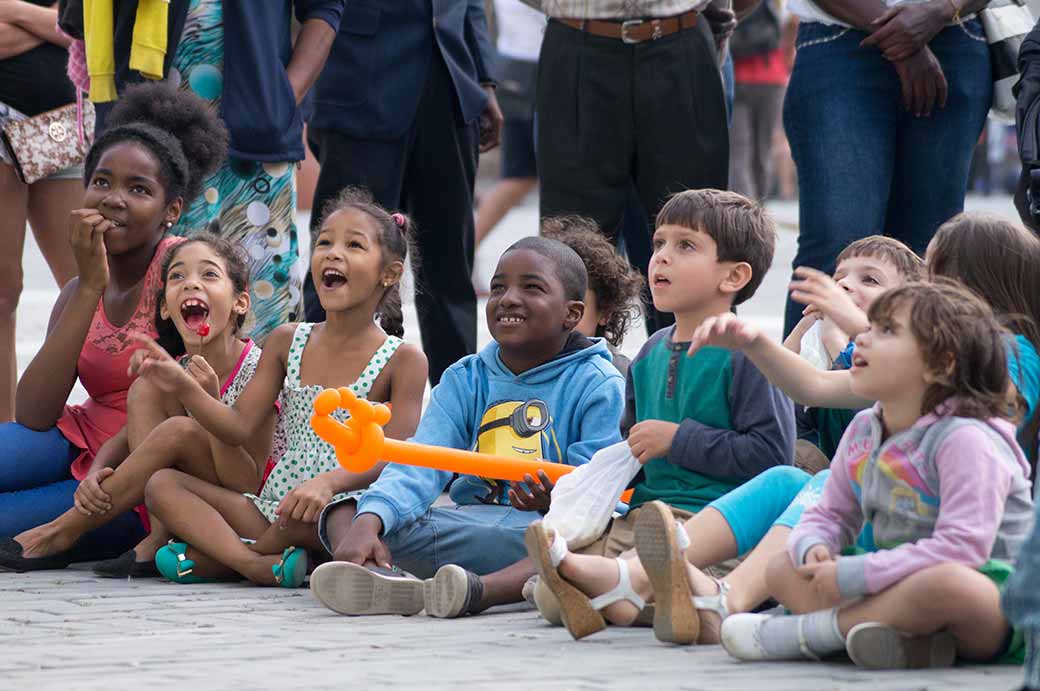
(68,630)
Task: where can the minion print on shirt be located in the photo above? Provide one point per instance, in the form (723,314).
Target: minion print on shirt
(509,429)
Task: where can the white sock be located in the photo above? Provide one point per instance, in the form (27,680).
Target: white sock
(783,636)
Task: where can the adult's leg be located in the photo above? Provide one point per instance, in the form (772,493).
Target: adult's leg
(841,112)
(768,100)
(14,200)
(348,162)
(519,177)
(438,193)
(680,121)
(50,202)
(211,520)
(741,142)
(31,459)
(923,198)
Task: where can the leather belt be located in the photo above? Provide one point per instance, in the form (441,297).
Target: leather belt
(635,30)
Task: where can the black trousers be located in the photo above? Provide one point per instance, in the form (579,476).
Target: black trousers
(612,114)
(429,174)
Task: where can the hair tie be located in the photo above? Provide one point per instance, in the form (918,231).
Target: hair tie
(398,219)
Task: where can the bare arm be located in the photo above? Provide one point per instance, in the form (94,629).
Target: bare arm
(309,54)
(14,40)
(39,21)
(793,342)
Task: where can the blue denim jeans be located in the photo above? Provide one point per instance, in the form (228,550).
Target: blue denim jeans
(36,486)
(865,164)
(479,538)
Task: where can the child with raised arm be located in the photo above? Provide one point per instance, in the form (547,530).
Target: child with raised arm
(202,304)
(701,426)
(357,261)
(139,174)
(538,390)
(935,468)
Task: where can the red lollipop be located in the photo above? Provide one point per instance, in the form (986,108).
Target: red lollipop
(203,330)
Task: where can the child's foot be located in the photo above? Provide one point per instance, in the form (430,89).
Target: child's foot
(452,592)
(664,559)
(877,646)
(357,590)
(765,637)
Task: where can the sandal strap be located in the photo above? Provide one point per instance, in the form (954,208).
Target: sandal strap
(622,591)
(279,568)
(681,536)
(558,548)
(803,644)
(714,603)
(184,565)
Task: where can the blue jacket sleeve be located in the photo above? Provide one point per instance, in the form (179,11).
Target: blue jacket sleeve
(329,11)
(763,431)
(598,414)
(478,38)
(403,493)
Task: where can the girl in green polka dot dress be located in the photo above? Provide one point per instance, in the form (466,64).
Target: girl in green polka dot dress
(357,262)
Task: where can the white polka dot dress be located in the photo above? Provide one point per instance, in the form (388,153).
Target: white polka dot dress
(306,455)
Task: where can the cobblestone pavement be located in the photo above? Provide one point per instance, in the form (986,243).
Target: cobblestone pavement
(68,630)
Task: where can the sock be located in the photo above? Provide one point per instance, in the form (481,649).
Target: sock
(474,593)
(781,635)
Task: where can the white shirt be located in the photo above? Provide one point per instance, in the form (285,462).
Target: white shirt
(809,11)
(520,30)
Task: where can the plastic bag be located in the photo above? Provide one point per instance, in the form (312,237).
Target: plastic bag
(812,348)
(583,500)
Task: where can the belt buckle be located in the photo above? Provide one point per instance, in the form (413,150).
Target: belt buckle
(625,25)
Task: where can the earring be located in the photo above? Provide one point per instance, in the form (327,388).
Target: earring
(169,224)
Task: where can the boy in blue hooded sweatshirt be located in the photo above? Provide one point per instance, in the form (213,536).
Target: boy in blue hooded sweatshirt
(538,390)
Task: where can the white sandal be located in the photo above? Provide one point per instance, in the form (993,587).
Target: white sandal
(580,613)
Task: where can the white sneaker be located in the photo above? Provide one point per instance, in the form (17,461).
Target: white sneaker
(356,590)
(878,646)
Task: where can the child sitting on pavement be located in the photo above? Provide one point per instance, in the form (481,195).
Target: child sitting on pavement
(612,298)
(538,390)
(701,426)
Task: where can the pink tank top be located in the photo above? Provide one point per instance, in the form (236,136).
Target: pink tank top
(102,366)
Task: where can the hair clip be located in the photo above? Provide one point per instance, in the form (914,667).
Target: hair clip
(398,219)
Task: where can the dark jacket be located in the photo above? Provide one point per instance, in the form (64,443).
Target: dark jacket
(375,74)
(257,102)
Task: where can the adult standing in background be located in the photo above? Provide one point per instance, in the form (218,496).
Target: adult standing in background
(628,92)
(403,107)
(32,81)
(884,107)
(240,56)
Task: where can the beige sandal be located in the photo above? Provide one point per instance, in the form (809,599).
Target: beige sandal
(580,613)
(661,544)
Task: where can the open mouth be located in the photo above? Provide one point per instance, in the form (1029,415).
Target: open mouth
(333,278)
(194,312)
(116,223)
(511,319)
(660,280)
(858,361)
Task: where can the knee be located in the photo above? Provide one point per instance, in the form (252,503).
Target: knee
(143,393)
(175,431)
(161,484)
(787,480)
(10,289)
(945,583)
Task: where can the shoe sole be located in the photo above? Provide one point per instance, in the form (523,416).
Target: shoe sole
(445,593)
(354,590)
(877,646)
(675,618)
(576,610)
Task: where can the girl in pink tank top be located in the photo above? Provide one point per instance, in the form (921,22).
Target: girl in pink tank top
(139,174)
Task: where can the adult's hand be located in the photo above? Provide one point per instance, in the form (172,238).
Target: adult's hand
(905,29)
(923,82)
(491,121)
(722,21)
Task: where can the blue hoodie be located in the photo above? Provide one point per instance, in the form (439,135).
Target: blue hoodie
(581,391)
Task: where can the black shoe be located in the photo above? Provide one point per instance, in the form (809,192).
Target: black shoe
(126,566)
(11,559)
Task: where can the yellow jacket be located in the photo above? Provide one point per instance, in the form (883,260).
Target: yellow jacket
(147,50)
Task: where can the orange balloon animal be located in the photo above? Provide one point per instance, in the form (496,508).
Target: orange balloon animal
(359,444)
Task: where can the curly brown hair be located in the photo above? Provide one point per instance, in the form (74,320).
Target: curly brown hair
(961,341)
(615,283)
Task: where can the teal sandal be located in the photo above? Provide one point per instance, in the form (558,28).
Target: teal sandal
(173,563)
(291,569)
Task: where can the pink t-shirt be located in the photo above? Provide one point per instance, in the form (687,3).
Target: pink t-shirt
(102,367)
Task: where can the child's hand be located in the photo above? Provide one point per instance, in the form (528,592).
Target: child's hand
(535,500)
(651,439)
(820,291)
(305,503)
(818,554)
(823,577)
(155,364)
(364,543)
(87,228)
(724,331)
(90,499)
(201,372)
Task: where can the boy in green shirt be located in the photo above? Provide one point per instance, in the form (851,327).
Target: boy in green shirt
(700,425)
